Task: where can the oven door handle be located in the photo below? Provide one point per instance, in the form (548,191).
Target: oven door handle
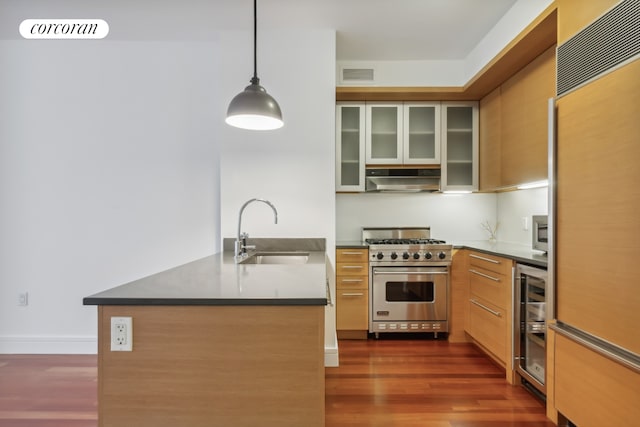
(410,273)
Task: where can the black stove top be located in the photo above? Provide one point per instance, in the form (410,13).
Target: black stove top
(405,241)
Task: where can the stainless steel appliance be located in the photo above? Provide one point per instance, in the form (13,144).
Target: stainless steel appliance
(403,180)
(408,281)
(530,329)
(540,232)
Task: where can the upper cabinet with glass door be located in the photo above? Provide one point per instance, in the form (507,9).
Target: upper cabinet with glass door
(350,134)
(384,133)
(459,146)
(421,141)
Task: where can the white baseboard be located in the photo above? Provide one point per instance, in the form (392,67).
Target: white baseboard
(48,344)
(331,359)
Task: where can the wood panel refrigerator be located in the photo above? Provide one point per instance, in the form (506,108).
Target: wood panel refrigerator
(595,206)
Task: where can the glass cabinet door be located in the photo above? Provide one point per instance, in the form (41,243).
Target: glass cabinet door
(421,142)
(460,146)
(350,122)
(384,133)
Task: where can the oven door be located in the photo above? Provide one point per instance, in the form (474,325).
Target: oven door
(409,293)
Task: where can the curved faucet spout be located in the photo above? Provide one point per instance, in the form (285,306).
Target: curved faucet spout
(240,247)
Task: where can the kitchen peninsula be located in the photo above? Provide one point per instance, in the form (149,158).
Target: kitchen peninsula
(216,343)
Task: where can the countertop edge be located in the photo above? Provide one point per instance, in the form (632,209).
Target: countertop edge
(204,301)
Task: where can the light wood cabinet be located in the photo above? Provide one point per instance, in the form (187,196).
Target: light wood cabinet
(489,307)
(591,390)
(490,141)
(459,295)
(514,127)
(352,293)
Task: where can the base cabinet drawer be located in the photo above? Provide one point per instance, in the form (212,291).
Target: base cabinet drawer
(489,286)
(488,326)
(351,282)
(493,263)
(352,309)
(592,390)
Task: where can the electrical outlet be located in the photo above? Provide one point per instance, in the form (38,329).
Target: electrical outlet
(121,334)
(525,223)
(23,299)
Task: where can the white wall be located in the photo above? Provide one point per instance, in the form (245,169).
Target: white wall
(452,217)
(515,205)
(294,166)
(444,73)
(107,174)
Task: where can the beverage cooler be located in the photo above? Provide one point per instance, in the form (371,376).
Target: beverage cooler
(531,327)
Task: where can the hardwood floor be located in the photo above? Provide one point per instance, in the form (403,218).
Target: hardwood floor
(424,383)
(48,391)
(379,383)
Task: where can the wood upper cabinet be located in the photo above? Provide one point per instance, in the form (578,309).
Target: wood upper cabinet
(490,141)
(525,121)
(514,127)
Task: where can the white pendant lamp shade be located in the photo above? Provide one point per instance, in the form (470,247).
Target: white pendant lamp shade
(254,108)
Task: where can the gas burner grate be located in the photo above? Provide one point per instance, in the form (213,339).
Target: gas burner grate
(404,241)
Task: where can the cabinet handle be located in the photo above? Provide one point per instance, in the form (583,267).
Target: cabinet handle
(352,294)
(352,253)
(484,307)
(352,266)
(484,275)
(484,259)
(351,280)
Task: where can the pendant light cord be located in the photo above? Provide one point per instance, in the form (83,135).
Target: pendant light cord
(255,80)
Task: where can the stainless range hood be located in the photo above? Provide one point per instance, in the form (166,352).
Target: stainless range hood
(402,180)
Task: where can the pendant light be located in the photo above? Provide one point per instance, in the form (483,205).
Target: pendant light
(254,108)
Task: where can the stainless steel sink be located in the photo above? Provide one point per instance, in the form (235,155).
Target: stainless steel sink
(277,258)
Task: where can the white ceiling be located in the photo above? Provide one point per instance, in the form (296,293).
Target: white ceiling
(369,30)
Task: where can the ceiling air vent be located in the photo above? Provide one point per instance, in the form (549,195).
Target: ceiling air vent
(357,75)
(606,43)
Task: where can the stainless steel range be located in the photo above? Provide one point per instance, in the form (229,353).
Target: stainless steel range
(408,280)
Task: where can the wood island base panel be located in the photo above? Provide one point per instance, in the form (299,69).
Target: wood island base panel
(203,366)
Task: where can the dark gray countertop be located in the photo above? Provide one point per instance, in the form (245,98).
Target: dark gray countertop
(218,280)
(351,244)
(517,252)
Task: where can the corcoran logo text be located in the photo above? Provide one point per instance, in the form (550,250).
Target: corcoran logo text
(64,29)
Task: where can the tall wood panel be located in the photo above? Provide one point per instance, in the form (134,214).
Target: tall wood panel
(574,15)
(598,200)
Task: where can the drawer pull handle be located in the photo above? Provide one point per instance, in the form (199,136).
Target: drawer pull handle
(351,280)
(484,307)
(352,294)
(485,259)
(352,253)
(484,275)
(352,266)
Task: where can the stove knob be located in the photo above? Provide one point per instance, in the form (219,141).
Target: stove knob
(428,255)
(442,255)
(416,256)
(380,255)
(405,255)
(394,255)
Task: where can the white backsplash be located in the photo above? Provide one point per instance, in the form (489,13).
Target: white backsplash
(454,218)
(513,206)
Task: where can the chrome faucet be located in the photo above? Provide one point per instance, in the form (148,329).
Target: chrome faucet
(240,248)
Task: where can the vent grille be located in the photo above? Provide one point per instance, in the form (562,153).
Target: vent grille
(607,42)
(361,75)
